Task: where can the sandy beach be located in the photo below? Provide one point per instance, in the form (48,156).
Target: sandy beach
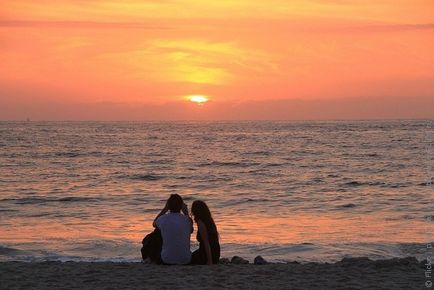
(354,273)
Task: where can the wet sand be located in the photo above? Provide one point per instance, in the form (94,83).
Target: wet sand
(355,273)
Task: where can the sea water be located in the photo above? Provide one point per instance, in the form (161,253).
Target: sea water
(306,191)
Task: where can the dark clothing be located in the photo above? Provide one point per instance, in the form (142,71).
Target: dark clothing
(152,245)
(199,256)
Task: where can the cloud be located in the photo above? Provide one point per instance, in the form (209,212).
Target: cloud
(80,24)
(19,104)
(197,61)
(379,28)
(398,11)
(276,26)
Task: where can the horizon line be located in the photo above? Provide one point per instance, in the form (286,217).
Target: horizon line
(218,120)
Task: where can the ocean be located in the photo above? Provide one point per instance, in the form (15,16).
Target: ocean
(305,191)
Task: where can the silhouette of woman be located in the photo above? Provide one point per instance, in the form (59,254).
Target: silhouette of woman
(207,235)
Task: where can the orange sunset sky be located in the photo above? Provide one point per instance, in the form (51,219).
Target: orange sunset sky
(140,60)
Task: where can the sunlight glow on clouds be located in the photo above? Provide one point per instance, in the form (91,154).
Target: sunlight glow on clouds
(193,61)
(237,51)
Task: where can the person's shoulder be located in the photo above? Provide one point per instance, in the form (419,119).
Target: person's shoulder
(184,218)
(161,219)
(177,216)
(171,216)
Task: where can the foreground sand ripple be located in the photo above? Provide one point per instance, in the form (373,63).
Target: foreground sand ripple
(357,273)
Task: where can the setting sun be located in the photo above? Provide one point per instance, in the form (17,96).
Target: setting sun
(199,99)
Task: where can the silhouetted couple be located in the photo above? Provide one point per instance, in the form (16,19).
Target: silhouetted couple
(169,243)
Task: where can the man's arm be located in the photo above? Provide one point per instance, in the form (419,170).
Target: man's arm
(185,212)
(162,212)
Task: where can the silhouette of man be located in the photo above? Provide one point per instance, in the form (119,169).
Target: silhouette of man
(175,228)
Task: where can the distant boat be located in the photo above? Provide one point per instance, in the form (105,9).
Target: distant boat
(28,120)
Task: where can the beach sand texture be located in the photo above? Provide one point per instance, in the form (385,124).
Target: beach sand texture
(354,273)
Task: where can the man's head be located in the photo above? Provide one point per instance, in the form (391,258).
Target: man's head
(175,203)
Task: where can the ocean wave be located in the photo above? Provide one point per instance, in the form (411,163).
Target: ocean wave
(383,184)
(425,184)
(429,218)
(128,251)
(5,251)
(273,164)
(138,176)
(7,210)
(401,217)
(234,202)
(43,199)
(352,184)
(258,153)
(228,164)
(347,205)
(67,154)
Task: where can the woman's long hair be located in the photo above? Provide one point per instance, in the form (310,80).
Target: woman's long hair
(201,212)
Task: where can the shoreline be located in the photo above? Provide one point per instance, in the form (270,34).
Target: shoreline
(105,250)
(349,273)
